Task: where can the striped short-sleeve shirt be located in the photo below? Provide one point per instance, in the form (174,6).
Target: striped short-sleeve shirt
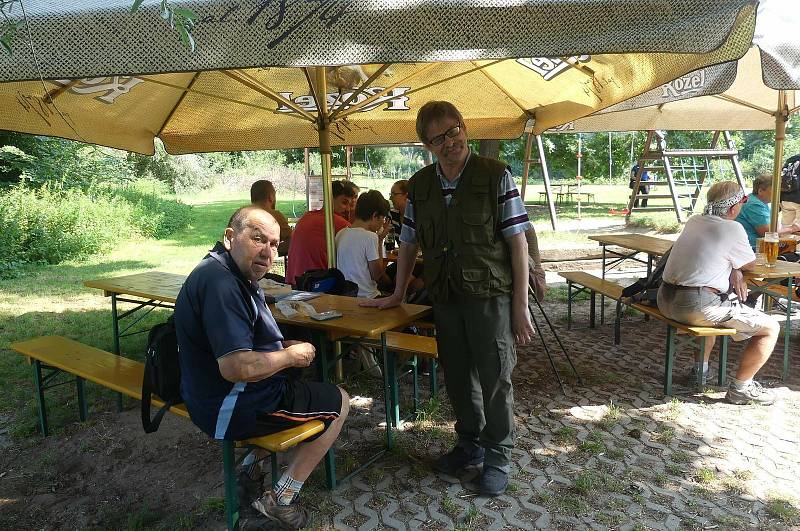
(513,216)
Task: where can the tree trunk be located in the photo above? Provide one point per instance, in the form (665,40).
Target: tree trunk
(489,148)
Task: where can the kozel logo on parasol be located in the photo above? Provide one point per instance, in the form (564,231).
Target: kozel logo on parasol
(394,100)
(550,67)
(688,84)
(110,87)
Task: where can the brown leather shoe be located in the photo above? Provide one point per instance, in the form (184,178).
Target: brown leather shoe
(289,516)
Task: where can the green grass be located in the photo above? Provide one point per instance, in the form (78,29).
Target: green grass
(784,509)
(565,435)
(608,198)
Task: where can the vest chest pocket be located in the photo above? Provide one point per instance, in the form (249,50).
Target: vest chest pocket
(476,281)
(477,228)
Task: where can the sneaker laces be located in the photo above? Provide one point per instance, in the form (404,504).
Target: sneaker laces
(756,388)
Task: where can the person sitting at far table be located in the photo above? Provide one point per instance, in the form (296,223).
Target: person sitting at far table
(262,194)
(358,257)
(307,249)
(236,368)
(398,195)
(755,213)
(358,254)
(704,265)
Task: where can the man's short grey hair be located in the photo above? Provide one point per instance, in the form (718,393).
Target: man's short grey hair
(762,182)
(239,219)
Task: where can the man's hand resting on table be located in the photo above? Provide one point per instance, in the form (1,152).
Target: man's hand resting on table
(382,303)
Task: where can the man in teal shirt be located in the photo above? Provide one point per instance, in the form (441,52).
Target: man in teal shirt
(755,214)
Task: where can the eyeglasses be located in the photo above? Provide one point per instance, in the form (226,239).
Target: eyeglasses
(438,140)
(398,193)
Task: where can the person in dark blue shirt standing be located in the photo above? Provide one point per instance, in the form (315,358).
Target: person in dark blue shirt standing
(235,363)
(643,188)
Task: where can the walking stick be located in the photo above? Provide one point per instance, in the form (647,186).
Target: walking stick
(544,343)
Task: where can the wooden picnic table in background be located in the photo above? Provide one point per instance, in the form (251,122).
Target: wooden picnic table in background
(653,246)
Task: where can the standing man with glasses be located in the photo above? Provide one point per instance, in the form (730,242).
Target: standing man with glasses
(465,213)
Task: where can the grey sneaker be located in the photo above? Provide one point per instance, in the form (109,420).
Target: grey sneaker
(493,481)
(457,459)
(754,393)
(289,516)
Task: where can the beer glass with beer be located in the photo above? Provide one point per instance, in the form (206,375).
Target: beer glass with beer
(771,248)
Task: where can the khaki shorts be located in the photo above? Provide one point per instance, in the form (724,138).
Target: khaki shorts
(702,308)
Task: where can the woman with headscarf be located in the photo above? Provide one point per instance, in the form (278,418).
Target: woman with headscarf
(703,285)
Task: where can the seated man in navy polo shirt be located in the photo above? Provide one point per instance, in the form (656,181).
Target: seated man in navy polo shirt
(234,360)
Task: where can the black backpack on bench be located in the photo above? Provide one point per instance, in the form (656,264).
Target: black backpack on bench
(330,281)
(645,290)
(162,373)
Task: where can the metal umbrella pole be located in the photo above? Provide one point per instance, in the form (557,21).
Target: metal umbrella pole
(555,334)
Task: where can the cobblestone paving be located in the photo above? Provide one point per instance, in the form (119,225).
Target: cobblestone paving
(612,454)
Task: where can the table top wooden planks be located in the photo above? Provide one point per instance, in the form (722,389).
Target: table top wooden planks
(651,245)
(155,285)
(356,321)
(780,270)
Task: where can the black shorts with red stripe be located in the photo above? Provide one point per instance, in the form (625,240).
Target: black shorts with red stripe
(302,401)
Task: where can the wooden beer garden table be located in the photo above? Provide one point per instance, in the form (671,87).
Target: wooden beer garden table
(155,289)
(770,279)
(627,246)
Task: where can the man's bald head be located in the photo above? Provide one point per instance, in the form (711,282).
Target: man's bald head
(239,219)
(252,239)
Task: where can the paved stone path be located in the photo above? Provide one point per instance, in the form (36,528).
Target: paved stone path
(612,454)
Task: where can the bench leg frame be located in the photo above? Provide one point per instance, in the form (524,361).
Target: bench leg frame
(569,305)
(670,360)
(231,497)
(41,380)
(432,364)
(38,381)
(723,361)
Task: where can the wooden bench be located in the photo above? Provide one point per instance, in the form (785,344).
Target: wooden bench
(674,328)
(417,346)
(588,282)
(125,376)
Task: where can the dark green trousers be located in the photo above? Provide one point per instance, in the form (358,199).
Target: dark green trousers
(477,353)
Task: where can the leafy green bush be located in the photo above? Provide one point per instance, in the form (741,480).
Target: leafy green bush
(47,225)
(51,225)
(155,216)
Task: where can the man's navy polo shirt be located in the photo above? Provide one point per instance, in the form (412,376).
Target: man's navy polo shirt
(217,312)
